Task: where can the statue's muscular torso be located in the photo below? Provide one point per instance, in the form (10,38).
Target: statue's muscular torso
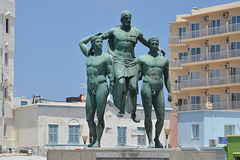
(152,69)
(124,41)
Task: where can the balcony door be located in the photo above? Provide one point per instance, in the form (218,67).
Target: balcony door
(215,77)
(195,54)
(235,23)
(195,30)
(182,33)
(235,49)
(235,100)
(215,23)
(195,79)
(196,102)
(215,51)
(216,101)
(235,75)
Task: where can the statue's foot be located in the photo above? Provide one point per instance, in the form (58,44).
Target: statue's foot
(120,113)
(135,118)
(151,145)
(91,144)
(96,145)
(158,144)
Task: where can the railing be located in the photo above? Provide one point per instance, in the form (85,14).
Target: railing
(204,32)
(207,82)
(205,57)
(216,106)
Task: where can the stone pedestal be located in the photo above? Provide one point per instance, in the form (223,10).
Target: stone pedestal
(129,154)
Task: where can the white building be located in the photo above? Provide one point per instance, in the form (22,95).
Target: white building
(61,125)
(7,20)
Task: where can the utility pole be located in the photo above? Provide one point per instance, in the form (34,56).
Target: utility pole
(83,86)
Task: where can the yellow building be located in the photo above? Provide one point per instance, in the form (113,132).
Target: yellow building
(205,58)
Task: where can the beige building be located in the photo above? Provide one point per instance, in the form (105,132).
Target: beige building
(7,20)
(205,58)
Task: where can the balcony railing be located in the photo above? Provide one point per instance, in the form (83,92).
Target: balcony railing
(205,57)
(205,32)
(206,82)
(216,106)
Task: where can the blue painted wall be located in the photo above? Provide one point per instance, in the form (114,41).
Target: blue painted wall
(211,126)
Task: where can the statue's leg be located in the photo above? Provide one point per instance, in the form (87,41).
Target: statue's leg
(101,98)
(146,95)
(132,97)
(119,97)
(90,112)
(159,106)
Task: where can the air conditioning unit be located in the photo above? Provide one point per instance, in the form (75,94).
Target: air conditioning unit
(206,68)
(227,66)
(206,18)
(212,142)
(207,43)
(206,92)
(225,15)
(227,91)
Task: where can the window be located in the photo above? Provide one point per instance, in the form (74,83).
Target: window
(228,130)
(183,56)
(53,134)
(235,23)
(235,100)
(5,129)
(24,103)
(195,131)
(195,79)
(195,30)
(235,49)
(237,158)
(6,58)
(195,54)
(216,23)
(182,78)
(216,101)
(215,77)
(141,138)
(7,25)
(182,32)
(122,136)
(5,92)
(185,101)
(215,51)
(196,102)
(74,134)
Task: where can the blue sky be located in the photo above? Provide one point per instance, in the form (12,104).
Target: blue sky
(48,61)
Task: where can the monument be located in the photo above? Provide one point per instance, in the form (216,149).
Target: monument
(121,44)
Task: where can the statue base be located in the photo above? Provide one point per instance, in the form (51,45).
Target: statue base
(129,154)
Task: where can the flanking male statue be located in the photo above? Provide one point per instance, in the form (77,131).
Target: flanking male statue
(124,71)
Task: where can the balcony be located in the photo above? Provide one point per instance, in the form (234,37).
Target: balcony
(207,82)
(205,57)
(204,32)
(216,106)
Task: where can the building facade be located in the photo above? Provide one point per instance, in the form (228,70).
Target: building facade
(205,58)
(206,130)
(7,37)
(62,125)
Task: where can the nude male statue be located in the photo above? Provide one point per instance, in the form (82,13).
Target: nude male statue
(153,67)
(99,65)
(121,44)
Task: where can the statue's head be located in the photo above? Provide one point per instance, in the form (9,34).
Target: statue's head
(126,18)
(96,42)
(153,43)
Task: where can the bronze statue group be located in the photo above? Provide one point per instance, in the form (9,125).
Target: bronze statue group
(124,71)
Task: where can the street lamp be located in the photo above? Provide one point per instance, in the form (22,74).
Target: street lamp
(167,132)
(84,137)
